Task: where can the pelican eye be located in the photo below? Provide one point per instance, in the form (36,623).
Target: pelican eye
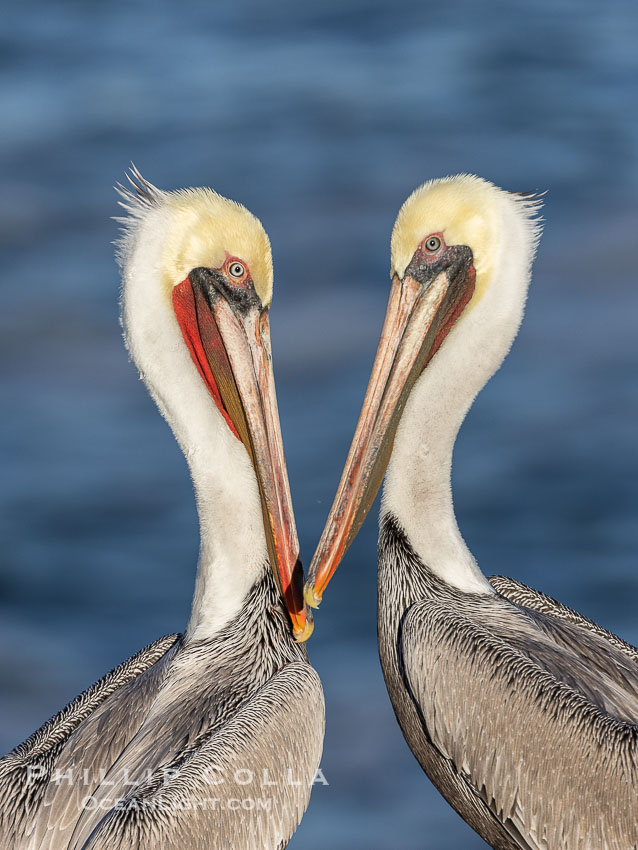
(236,269)
(432,244)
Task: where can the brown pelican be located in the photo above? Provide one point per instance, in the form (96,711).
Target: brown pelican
(521,711)
(210,739)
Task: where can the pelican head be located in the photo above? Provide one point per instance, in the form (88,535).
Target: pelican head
(197,285)
(452,246)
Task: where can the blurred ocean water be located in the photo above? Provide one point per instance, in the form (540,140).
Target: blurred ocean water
(321,118)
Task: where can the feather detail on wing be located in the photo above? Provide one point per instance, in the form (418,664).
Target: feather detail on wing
(247,785)
(553,766)
(26,771)
(535,600)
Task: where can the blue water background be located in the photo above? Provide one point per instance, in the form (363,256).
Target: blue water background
(321,118)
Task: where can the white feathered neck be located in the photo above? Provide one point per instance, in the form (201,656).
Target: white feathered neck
(503,232)
(165,236)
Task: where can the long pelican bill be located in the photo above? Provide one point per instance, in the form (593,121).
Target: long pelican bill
(422,309)
(231,349)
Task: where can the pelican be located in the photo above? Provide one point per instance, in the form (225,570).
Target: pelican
(521,711)
(210,739)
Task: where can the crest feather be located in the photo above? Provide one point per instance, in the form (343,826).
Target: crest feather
(140,196)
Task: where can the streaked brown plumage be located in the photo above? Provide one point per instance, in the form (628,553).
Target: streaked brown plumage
(495,696)
(199,710)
